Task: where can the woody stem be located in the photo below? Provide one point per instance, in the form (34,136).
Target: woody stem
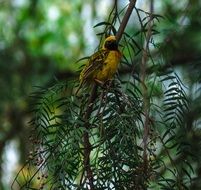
(125,20)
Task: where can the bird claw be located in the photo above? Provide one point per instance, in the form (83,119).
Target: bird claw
(104,85)
(99,82)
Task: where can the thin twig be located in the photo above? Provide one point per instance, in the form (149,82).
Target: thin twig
(144,88)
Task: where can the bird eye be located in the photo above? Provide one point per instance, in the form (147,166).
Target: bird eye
(111,45)
(107,43)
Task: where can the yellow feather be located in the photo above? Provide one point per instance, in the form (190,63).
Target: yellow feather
(102,65)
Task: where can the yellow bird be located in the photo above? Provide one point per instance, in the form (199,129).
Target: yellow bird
(102,65)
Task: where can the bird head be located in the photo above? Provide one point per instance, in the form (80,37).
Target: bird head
(110,43)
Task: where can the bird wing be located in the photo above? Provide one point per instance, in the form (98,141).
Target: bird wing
(95,63)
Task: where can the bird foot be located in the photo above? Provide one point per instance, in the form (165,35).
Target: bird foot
(104,85)
(99,82)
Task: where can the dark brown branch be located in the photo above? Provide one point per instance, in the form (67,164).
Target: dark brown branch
(125,20)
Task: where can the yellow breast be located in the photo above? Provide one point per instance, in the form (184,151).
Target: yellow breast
(110,66)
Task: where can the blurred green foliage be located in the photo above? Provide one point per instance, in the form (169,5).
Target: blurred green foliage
(39,40)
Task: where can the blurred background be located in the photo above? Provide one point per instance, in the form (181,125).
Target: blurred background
(40,41)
